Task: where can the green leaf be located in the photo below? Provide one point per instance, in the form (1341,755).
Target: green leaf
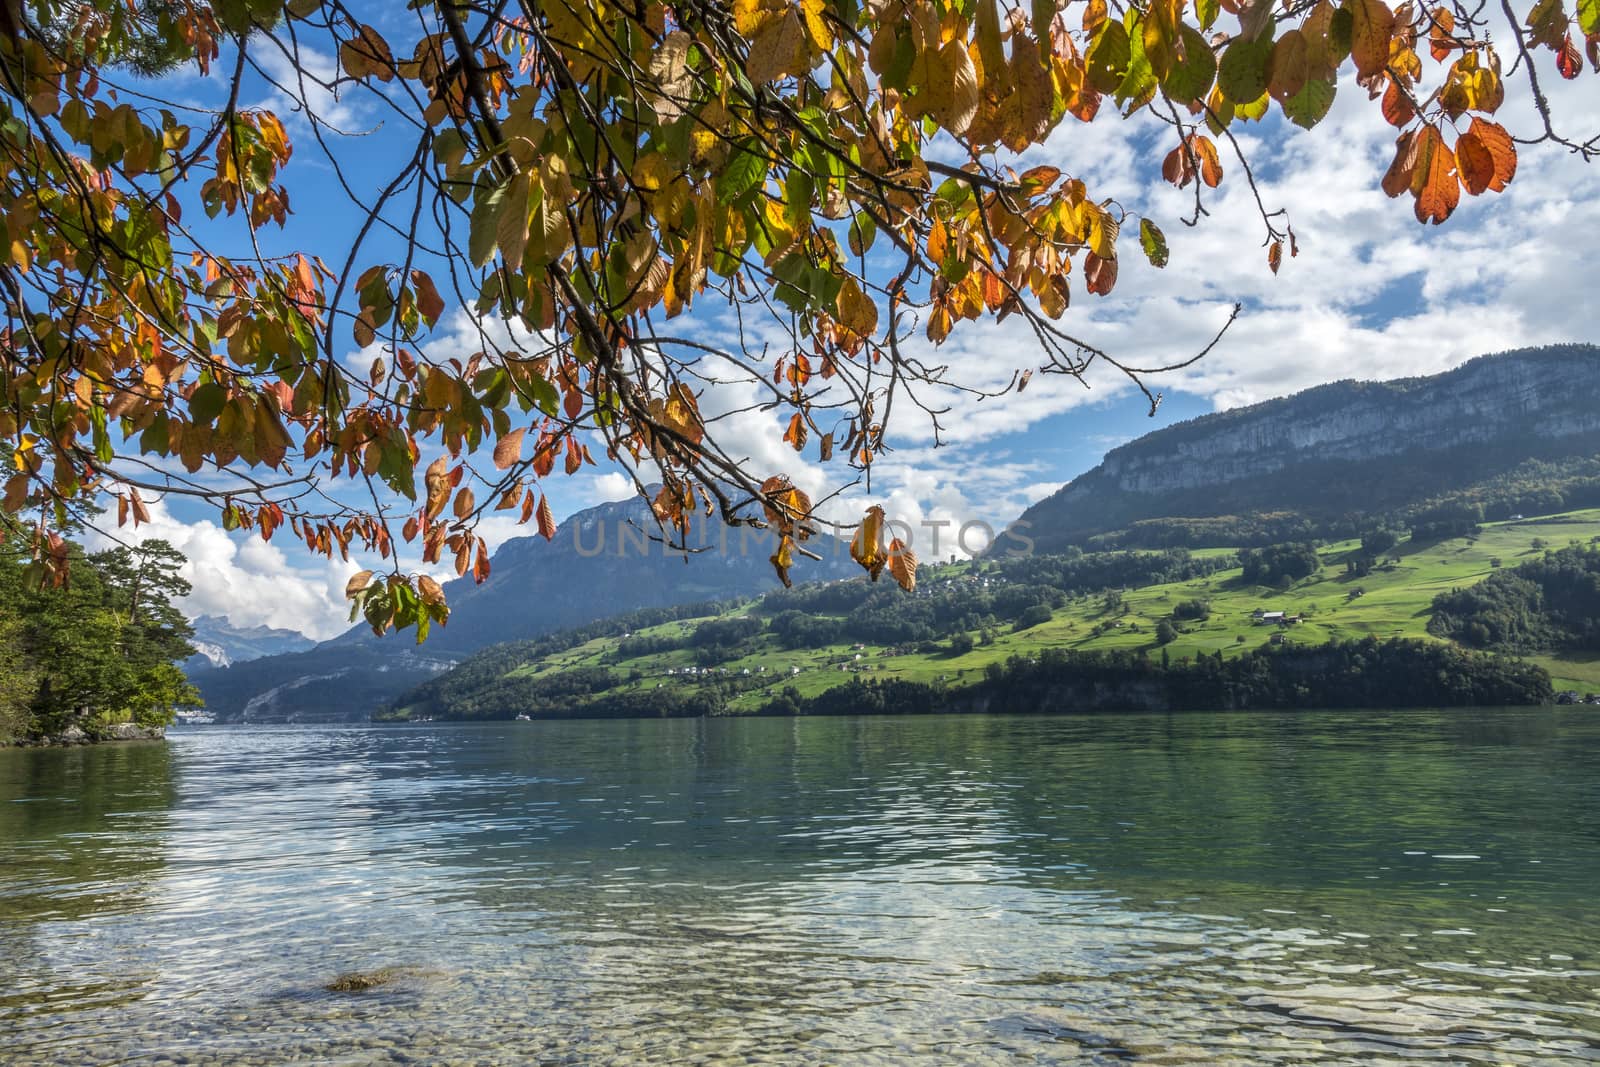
(863,231)
(1139,86)
(746,170)
(1043,12)
(1191,77)
(1108,58)
(1310,105)
(1341,34)
(1589,17)
(1208,10)
(1242,74)
(205,404)
(481,235)
(1154,243)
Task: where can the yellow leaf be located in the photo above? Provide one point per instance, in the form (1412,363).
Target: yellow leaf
(866,548)
(778,49)
(783,559)
(857,310)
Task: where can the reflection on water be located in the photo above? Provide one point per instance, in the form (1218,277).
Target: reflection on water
(1251,889)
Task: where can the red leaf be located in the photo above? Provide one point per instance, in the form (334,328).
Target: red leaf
(1101,274)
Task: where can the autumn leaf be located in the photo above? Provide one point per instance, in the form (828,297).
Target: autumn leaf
(1372,27)
(1101,274)
(431,591)
(1434,183)
(546,518)
(903,565)
(1474,163)
(1154,243)
(358,581)
(437,481)
(1501,149)
(783,559)
(429,302)
(866,548)
(508,450)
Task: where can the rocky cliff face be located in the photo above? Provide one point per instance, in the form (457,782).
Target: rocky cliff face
(1528,404)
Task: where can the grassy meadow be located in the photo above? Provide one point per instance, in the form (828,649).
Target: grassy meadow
(1393,600)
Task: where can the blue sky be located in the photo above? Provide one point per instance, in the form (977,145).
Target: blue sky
(1372,295)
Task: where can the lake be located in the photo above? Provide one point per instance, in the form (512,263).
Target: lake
(1298,888)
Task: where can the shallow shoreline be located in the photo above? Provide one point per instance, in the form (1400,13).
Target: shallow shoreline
(73,736)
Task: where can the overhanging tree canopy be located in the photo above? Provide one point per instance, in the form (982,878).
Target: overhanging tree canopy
(586,172)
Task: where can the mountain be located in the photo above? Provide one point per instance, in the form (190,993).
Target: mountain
(1338,451)
(219,643)
(602,562)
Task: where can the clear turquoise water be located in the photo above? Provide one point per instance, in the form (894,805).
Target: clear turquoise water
(1249,889)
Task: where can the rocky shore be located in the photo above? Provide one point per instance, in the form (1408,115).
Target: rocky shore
(76,735)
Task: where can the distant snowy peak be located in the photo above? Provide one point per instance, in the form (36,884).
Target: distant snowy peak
(219,643)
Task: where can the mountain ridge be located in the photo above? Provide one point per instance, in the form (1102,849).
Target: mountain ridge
(1322,451)
(605,560)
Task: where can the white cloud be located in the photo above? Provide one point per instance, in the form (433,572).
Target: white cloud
(248,580)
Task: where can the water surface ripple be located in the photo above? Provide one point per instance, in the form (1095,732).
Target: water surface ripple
(1201,889)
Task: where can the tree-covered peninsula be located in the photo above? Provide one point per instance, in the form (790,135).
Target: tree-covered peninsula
(96,657)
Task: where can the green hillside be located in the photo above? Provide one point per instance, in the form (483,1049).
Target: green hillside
(1392,600)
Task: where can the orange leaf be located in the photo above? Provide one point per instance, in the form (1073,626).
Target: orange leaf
(1439,42)
(1398,177)
(1178,168)
(547,519)
(1397,109)
(903,565)
(1437,190)
(1372,27)
(795,435)
(1210,165)
(1275,256)
(141,514)
(464,503)
(508,449)
(1473,163)
(1494,137)
(480,567)
(430,591)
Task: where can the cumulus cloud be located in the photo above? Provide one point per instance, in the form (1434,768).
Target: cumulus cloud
(245,579)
